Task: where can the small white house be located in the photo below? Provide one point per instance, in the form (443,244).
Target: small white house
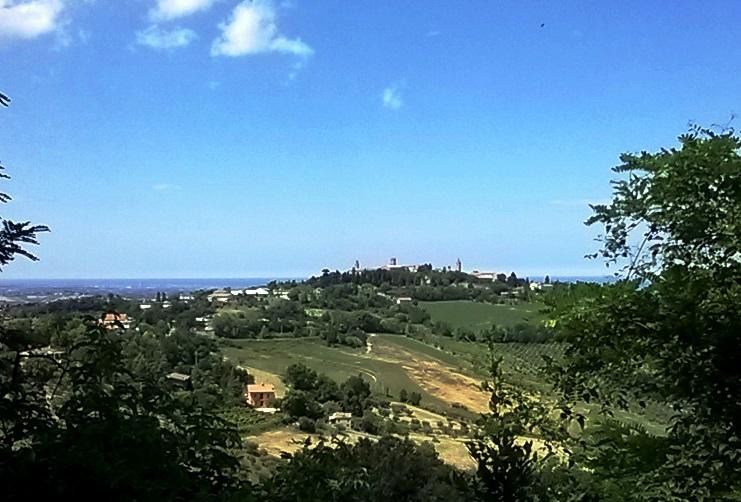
(403,299)
(219,295)
(145,306)
(340,418)
(258,292)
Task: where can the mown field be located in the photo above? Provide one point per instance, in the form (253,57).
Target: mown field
(476,315)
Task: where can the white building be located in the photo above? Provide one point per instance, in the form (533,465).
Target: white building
(485,276)
(340,418)
(258,292)
(219,295)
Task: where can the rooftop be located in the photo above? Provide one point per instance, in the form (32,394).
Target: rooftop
(260,387)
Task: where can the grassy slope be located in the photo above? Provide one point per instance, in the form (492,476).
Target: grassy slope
(274,356)
(475,315)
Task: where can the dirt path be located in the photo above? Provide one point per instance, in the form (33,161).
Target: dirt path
(369,343)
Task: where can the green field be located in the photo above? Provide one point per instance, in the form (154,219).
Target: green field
(274,356)
(476,315)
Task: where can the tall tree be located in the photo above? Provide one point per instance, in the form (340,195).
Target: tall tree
(670,330)
(13,235)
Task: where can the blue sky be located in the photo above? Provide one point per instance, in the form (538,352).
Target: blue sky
(219,138)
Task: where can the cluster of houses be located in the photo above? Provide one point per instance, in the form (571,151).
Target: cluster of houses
(115,320)
(224,295)
(165,303)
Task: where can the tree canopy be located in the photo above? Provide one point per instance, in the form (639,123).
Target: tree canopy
(668,331)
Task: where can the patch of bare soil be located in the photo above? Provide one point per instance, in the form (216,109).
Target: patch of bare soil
(448,385)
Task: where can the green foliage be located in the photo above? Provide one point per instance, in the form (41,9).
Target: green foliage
(476,316)
(668,332)
(306,424)
(508,469)
(14,236)
(77,422)
(356,393)
(300,403)
(301,377)
(368,470)
(415,398)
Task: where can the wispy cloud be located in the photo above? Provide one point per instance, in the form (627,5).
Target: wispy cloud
(165,187)
(432,33)
(173,9)
(252,29)
(30,19)
(391,98)
(159,39)
(67,37)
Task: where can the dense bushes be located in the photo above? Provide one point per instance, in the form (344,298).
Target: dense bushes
(389,468)
(314,395)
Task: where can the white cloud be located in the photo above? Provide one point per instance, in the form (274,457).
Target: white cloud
(160,39)
(172,9)
(165,187)
(29,19)
(391,98)
(251,29)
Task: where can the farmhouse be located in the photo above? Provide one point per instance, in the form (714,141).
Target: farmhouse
(179,380)
(340,418)
(258,395)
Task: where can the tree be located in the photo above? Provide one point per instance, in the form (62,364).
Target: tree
(547,279)
(301,377)
(368,470)
(299,403)
(13,236)
(356,393)
(668,331)
(508,469)
(82,425)
(306,424)
(415,398)
(403,396)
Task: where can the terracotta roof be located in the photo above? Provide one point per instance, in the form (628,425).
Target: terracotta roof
(112,317)
(260,387)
